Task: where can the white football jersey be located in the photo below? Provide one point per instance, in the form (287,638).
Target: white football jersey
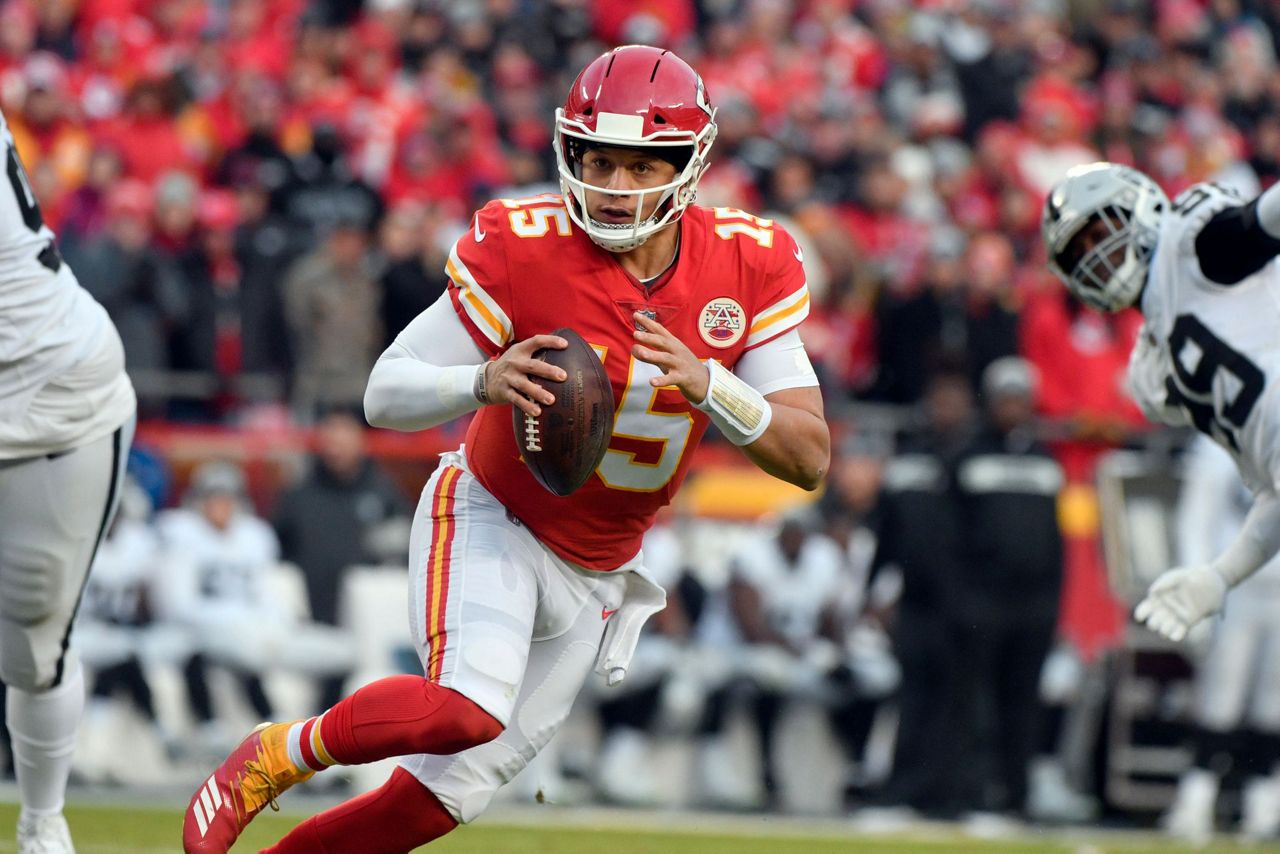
(1209,354)
(123,571)
(793,597)
(215,573)
(62,379)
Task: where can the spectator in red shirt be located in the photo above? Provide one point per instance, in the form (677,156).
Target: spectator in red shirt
(146,134)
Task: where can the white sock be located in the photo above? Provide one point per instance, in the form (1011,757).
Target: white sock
(42,728)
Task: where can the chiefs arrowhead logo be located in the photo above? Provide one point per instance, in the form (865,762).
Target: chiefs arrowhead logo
(722,322)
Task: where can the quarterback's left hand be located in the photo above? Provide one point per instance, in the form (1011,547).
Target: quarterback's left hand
(1181,598)
(681,368)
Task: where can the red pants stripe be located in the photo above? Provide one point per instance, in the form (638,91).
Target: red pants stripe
(439,562)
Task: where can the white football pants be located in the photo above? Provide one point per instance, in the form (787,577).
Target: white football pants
(53,512)
(500,618)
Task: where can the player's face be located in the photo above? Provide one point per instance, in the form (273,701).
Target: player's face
(1085,240)
(622,170)
(1010,412)
(218,508)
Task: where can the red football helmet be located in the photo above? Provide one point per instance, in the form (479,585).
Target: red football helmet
(642,97)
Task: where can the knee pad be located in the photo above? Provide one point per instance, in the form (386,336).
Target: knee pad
(30,656)
(31,583)
(488,672)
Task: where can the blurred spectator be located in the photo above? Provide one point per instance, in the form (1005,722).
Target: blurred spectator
(1007,492)
(991,316)
(147,134)
(964,313)
(47,132)
(220,587)
(264,249)
(914,331)
(117,633)
(326,194)
(217,588)
(55,28)
(1236,712)
(416,255)
(135,283)
(176,196)
(782,597)
(920,540)
(851,514)
(257,158)
(1080,358)
(331,305)
(212,339)
(920,79)
(667,691)
(990,59)
(880,227)
(85,213)
(334,518)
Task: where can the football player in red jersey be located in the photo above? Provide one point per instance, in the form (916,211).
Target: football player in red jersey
(516,594)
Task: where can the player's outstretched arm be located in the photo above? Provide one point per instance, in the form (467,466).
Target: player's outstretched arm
(428,374)
(434,372)
(1182,597)
(784,432)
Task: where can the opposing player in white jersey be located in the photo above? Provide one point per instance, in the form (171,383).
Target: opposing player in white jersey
(1237,685)
(1201,271)
(66,422)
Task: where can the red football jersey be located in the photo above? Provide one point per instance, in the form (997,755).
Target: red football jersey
(524,270)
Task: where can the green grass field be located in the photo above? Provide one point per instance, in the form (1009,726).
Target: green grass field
(128,830)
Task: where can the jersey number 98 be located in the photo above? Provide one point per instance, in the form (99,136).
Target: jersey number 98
(1201,359)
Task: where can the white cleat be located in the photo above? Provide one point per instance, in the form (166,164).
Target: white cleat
(1191,816)
(44,834)
(1261,809)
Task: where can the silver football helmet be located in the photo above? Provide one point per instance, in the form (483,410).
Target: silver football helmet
(1100,225)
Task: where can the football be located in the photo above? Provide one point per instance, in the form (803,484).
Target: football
(563,445)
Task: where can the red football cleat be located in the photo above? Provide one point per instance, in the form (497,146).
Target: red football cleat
(253,776)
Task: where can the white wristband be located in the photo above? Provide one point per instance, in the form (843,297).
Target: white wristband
(739,411)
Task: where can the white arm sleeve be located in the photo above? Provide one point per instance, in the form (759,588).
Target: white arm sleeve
(1206,502)
(427,376)
(1257,542)
(776,365)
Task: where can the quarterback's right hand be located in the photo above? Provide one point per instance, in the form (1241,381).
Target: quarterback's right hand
(1181,598)
(510,377)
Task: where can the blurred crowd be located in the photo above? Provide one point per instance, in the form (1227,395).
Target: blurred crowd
(238,181)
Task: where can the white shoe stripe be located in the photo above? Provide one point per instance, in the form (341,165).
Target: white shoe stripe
(217,795)
(200,820)
(208,804)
